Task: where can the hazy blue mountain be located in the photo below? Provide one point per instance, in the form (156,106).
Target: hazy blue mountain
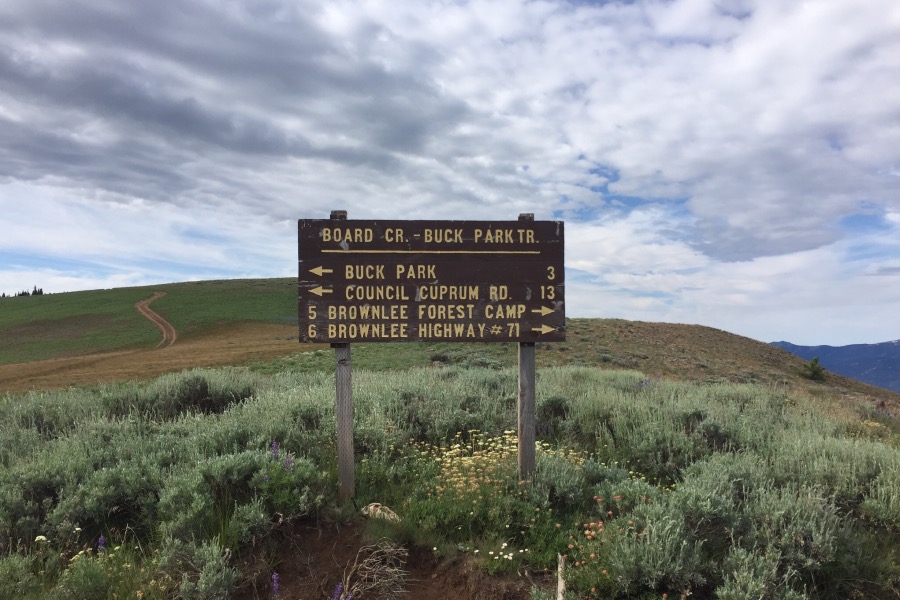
(877,364)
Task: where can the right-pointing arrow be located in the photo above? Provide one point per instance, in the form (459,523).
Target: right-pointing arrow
(544,329)
(543,310)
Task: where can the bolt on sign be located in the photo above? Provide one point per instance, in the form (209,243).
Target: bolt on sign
(448,281)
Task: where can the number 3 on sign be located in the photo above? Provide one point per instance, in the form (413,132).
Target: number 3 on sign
(548,292)
(551,273)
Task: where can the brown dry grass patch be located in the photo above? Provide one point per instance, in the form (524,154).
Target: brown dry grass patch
(230,344)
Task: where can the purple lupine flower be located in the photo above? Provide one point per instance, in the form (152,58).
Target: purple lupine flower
(275,450)
(288,462)
(276,585)
(101,544)
(337,592)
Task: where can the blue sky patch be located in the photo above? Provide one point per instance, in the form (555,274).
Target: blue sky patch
(864,223)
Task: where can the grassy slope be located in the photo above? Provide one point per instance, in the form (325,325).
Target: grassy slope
(201,305)
(34,328)
(38,327)
(54,325)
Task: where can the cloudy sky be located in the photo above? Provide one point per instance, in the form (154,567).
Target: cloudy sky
(732,163)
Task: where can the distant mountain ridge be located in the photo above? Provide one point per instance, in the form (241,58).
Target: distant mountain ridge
(876,364)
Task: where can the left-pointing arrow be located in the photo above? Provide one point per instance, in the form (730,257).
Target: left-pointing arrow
(319,290)
(544,329)
(321,271)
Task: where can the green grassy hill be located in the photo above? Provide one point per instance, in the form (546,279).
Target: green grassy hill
(54,325)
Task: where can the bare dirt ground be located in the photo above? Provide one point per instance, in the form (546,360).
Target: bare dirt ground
(168,332)
(233,344)
(311,559)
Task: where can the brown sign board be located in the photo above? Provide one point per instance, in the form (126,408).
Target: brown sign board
(448,281)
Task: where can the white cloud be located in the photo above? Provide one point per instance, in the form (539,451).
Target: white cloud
(631,245)
(703,153)
(837,297)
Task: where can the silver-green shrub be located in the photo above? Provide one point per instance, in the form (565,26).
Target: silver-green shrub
(203,569)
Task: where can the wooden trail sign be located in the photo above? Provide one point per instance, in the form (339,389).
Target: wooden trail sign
(449,281)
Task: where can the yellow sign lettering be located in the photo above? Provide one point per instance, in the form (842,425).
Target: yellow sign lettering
(363,331)
(443,236)
(356,235)
(376,292)
(416,272)
(504,236)
(374,312)
(504,311)
(394,236)
(364,271)
(451,331)
(447,292)
(446,311)
(498,292)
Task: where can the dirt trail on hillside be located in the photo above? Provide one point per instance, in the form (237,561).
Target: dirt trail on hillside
(168,331)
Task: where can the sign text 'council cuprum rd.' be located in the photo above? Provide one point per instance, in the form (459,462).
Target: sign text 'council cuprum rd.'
(453,281)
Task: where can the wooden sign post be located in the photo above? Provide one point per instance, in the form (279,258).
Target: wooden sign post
(343,409)
(527,437)
(441,281)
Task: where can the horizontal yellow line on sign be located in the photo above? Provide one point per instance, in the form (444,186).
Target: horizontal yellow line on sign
(432,251)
